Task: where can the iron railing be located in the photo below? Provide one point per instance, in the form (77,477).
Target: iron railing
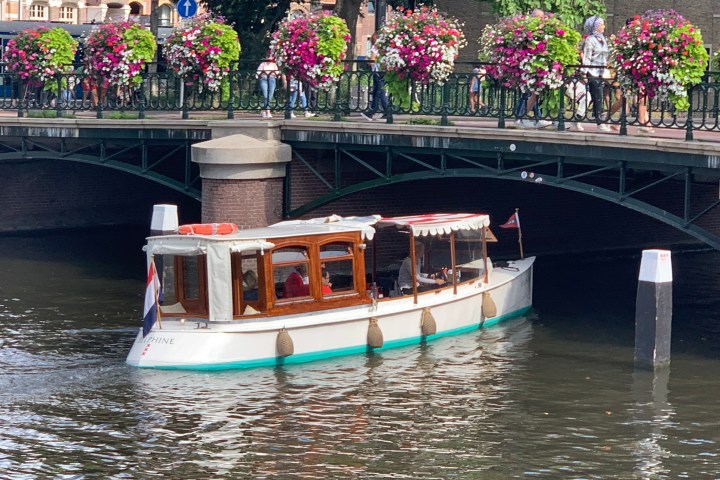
(162,91)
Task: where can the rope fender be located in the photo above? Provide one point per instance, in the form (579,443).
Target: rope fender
(374,334)
(489,308)
(284,344)
(427,322)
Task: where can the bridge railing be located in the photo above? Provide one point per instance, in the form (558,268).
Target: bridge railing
(162,91)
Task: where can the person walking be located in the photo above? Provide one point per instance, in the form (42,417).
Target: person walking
(378,92)
(595,56)
(296,88)
(529,100)
(476,102)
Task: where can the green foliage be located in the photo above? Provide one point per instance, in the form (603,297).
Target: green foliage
(399,89)
(425,121)
(141,45)
(690,72)
(254,20)
(226,38)
(61,44)
(49,114)
(122,116)
(570,12)
(332,33)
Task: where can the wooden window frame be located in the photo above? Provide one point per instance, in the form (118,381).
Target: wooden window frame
(316,300)
(199,306)
(239,302)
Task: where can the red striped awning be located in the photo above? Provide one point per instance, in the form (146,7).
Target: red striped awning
(437,223)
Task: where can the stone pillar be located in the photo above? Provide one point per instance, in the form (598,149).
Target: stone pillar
(242,180)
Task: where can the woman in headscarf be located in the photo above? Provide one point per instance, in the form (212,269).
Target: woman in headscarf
(595,55)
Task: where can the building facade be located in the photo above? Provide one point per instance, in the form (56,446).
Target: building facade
(85,11)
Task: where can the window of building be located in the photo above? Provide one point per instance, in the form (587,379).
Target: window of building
(38,12)
(135,9)
(67,14)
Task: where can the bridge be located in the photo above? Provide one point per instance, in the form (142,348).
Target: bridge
(663,177)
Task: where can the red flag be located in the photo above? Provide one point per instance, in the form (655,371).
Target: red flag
(513,221)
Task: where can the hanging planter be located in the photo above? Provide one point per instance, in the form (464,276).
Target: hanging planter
(118,52)
(660,54)
(533,54)
(41,55)
(312,48)
(419,46)
(201,52)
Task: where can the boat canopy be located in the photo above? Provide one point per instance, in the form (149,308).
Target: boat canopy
(364,224)
(190,246)
(436,223)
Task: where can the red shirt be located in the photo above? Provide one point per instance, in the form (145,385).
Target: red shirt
(294,286)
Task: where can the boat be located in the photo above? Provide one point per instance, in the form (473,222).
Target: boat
(304,290)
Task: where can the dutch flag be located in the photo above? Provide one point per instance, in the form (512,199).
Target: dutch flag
(151,299)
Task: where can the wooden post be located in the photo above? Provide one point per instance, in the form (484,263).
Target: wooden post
(484,254)
(653,309)
(452,261)
(412,263)
(517,219)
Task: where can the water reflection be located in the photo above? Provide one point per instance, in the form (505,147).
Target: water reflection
(552,397)
(358,415)
(651,416)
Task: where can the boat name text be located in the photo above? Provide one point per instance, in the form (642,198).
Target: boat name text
(160,340)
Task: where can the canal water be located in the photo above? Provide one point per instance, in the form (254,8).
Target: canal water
(554,395)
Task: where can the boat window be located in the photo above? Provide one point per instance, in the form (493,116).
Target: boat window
(337,269)
(188,276)
(290,273)
(165,265)
(190,287)
(469,253)
(246,281)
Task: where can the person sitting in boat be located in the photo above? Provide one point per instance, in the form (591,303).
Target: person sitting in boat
(405,274)
(250,285)
(295,285)
(326,284)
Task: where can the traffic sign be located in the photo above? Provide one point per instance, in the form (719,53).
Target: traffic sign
(187,8)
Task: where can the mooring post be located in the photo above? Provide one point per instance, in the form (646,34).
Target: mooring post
(653,309)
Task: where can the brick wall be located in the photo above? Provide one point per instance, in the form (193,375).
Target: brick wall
(248,203)
(45,194)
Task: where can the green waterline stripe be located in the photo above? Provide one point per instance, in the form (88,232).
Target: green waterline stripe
(325,354)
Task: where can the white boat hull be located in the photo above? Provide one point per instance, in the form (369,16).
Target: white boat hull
(194,344)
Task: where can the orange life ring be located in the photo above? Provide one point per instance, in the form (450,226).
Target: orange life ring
(207,229)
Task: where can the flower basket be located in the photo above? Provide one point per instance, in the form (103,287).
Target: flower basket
(41,55)
(660,54)
(533,54)
(312,48)
(419,46)
(118,52)
(200,52)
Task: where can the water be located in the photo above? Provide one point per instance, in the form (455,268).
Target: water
(551,396)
